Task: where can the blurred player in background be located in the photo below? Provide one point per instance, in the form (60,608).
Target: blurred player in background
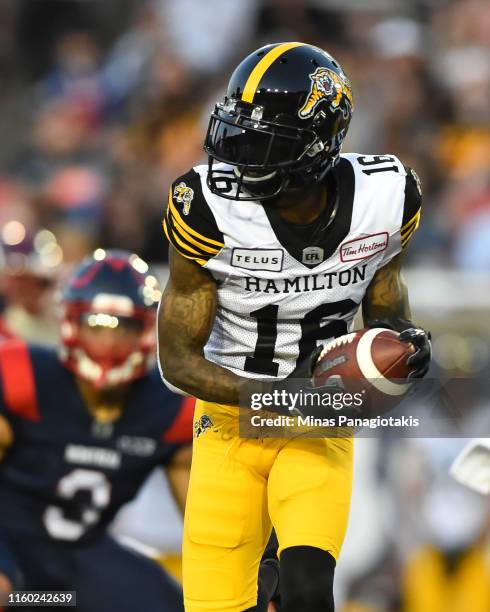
(29,273)
(275,244)
(79,433)
(472,466)
(447,569)
(441,563)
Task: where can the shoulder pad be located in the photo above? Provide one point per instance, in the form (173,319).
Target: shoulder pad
(189,223)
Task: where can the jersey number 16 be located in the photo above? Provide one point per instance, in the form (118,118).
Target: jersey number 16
(312,330)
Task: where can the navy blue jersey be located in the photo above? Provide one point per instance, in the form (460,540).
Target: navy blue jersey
(67,475)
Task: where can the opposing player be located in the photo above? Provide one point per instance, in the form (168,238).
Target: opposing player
(79,433)
(29,272)
(275,245)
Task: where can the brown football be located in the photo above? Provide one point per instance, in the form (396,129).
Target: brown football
(370,360)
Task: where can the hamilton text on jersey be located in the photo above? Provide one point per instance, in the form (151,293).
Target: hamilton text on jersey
(310,282)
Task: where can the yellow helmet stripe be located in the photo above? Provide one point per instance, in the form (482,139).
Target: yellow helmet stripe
(260,69)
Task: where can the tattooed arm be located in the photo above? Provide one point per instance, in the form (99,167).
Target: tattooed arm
(386,305)
(185,320)
(386,298)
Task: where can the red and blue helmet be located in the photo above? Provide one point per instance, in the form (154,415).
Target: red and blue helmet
(110,289)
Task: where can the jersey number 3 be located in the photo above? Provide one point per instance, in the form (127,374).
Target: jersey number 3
(312,330)
(57,524)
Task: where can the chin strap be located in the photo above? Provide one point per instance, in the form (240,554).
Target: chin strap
(253,179)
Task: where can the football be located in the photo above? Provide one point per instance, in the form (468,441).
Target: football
(369,360)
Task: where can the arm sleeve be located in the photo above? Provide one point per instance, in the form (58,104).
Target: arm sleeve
(18,397)
(412,208)
(189,223)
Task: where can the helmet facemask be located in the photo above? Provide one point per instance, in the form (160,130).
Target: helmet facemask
(281,125)
(267,156)
(107,349)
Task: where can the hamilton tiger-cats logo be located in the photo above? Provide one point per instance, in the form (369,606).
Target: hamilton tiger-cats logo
(326,85)
(184,195)
(202,424)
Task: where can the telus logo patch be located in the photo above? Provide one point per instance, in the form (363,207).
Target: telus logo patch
(258,259)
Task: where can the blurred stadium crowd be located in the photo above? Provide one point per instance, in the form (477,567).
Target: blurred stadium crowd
(104,103)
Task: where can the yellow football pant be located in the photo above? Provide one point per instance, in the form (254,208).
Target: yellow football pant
(238,487)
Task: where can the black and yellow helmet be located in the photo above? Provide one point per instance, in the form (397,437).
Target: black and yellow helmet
(281,124)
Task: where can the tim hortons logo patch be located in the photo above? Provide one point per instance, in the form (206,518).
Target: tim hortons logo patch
(362,248)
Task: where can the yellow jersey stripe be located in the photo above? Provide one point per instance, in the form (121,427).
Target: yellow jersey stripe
(177,218)
(409,230)
(192,240)
(183,244)
(201,262)
(260,69)
(406,238)
(165,229)
(415,220)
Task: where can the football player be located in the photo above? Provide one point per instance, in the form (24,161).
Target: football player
(29,271)
(275,244)
(79,433)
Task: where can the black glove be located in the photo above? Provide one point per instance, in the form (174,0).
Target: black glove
(307,366)
(299,379)
(418,362)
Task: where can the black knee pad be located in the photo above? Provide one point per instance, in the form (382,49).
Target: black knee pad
(307,580)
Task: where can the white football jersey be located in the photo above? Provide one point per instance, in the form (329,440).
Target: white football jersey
(283,289)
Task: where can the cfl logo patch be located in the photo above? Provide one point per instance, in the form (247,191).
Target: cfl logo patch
(312,255)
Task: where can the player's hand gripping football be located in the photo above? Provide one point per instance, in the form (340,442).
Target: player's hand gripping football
(304,370)
(300,379)
(418,362)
